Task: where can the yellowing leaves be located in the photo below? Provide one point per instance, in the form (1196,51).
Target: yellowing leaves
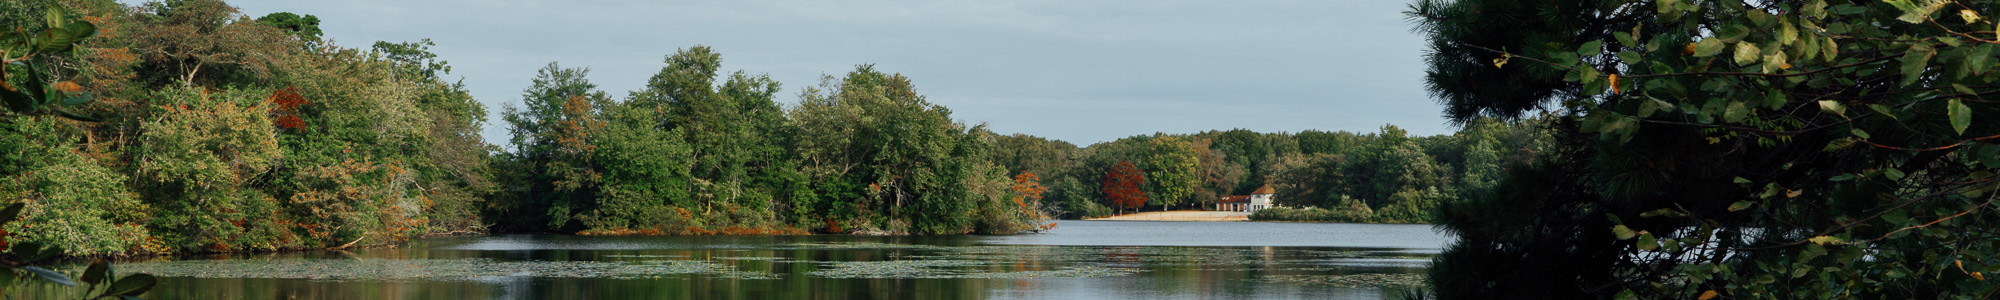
(1710,294)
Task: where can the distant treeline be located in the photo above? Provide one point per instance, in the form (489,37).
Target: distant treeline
(1385,176)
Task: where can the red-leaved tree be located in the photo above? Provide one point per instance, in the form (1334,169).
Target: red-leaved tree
(1121,185)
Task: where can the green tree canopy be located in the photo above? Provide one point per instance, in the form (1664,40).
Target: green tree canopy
(1742,149)
(305,27)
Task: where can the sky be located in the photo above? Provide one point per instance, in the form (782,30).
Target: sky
(1079,71)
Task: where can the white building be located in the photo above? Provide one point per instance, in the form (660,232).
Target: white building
(1257,200)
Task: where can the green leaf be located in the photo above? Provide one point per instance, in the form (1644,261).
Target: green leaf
(1741,180)
(54,40)
(1630,57)
(1961,116)
(1622,232)
(1733,33)
(1787,34)
(80,99)
(1747,53)
(1915,61)
(133,285)
(1894,174)
(1883,110)
(1912,12)
(1739,205)
(1833,107)
(94,274)
(1625,38)
(1860,133)
(1626,295)
(51,276)
(1590,48)
(1838,144)
(1828,49)
(1646,108)
(80,31)
(1647,241)
(1964,90)
(1735,113)
(55,18)
(1707,48)
(1816,9)
(1775,61)
(1826,240)
(1980,59)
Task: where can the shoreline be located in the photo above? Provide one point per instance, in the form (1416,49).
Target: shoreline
(1181,216)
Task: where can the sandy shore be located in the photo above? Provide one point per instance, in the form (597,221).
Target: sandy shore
(1182,215)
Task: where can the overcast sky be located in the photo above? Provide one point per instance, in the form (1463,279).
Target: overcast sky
(1079,71)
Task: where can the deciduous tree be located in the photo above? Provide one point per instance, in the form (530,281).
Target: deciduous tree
(1122,186)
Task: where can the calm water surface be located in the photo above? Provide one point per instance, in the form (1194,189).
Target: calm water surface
(1078,260)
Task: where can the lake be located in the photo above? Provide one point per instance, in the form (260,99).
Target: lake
(1077,260)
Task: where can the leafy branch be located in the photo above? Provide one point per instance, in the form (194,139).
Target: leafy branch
(36,96)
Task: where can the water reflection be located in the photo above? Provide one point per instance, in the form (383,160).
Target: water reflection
(1079,260)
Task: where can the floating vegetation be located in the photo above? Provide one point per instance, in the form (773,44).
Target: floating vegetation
(1351,280)
(754,258)
(901,261)
(433,269)
(856,245)
(893,268)
(644,256)
(932,269)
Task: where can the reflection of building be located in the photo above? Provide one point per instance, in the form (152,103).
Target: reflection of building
(1260,199)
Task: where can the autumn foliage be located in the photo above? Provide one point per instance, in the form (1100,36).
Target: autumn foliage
(285,108)
(1121,186)
(1027,188)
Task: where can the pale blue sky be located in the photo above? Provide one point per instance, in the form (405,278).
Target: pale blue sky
(1080,71)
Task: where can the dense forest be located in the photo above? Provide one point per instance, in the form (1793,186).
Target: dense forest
(1384,176)
(1766,149)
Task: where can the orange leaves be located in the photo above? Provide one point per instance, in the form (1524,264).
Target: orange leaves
(289,122)
(288,99)
(1027,187)
(286,109)
(1614,84)
(1122,183)
(579,122)
(67,87)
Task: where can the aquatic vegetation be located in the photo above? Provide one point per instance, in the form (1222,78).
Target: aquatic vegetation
(1351,280)
(907,261)
(430,269)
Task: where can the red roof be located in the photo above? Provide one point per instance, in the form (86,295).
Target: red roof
(1235,199)
(1266,190)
